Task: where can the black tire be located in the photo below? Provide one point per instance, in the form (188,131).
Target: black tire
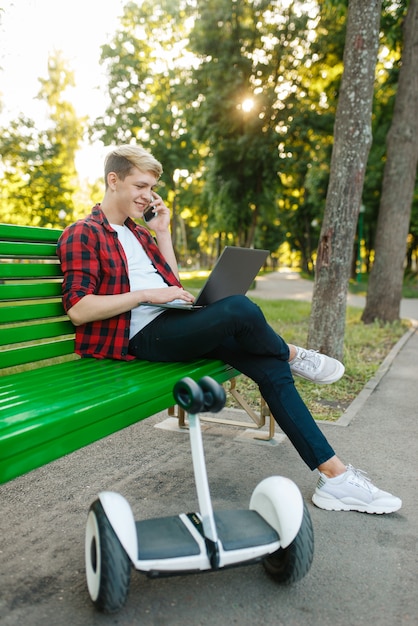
(108,567)
(288,565)
(188,395)
(214,394)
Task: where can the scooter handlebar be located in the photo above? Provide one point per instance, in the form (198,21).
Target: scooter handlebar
(206,395)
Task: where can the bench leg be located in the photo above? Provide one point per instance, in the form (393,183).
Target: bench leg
(179,413)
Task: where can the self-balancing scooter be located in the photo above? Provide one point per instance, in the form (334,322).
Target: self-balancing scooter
(276,529)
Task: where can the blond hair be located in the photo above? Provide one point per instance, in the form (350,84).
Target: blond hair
(123,159)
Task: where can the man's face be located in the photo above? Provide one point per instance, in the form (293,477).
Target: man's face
(133,194)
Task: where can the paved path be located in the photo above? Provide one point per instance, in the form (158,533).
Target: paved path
(288,285)
(364,569)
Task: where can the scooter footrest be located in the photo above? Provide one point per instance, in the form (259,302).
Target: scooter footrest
(164,538)
(243,529)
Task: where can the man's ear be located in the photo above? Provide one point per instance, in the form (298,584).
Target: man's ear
(112,179)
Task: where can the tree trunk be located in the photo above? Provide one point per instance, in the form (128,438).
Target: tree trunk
(386,277)
(352,140)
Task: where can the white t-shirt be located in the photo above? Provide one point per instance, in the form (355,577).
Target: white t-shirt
(142,275)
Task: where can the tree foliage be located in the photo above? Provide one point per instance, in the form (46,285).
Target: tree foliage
(244,87)
(38,165)
(216,92)
(147,67)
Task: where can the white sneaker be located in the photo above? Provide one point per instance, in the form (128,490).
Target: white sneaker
(353,491)
(319,368)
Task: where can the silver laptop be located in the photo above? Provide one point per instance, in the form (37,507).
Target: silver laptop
(232,275)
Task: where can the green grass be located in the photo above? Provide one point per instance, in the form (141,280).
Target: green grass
(365,348)
(359,286)
(409,287)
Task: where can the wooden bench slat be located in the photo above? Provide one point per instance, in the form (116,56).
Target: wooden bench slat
(14,249)
(14,232)
(33,332)
(25,291)
(27,354)
(29,270)
(32,311)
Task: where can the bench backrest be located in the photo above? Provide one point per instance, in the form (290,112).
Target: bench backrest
(33,325)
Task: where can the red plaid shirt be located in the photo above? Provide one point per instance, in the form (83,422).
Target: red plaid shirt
(93,261)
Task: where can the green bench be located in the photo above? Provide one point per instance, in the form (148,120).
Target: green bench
(51,401)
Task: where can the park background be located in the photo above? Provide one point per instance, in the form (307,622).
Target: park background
(245,105)
(237,100)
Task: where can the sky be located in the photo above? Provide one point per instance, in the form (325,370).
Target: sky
(30,30)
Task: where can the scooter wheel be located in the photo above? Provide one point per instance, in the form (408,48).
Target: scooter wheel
(108,568)
(214,394)
(188,395)
(288,565)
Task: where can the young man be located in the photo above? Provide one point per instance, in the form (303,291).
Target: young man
(112,266)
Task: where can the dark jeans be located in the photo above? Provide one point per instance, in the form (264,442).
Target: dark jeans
(235,330)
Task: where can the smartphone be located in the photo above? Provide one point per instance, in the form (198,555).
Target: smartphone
(149,214)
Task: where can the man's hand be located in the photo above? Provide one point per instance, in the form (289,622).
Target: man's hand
(161,222)
(161,296)
(92,307)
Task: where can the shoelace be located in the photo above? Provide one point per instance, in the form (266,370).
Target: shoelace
(308,359)
(362,478)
